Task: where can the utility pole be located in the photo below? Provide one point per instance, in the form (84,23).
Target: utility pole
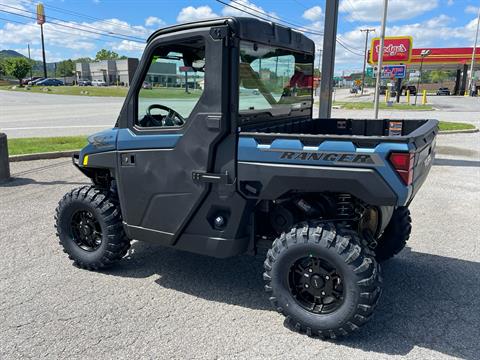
(472,65)
(328,55)
(366,31)
(380,57)
(30,59)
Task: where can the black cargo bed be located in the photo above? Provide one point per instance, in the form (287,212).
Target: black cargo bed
(363,132)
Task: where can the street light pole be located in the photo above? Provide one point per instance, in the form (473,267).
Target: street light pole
(470,80)
(423,55)
(366,31)
(380,58)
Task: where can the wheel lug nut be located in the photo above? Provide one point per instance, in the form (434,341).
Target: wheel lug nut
(327,277)
(310,270)
(306,285)
(323,292)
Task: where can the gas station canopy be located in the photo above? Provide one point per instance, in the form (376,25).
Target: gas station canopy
(441,58)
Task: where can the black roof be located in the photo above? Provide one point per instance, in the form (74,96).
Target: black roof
(248,28)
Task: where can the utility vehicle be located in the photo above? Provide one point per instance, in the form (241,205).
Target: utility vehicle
(199,165)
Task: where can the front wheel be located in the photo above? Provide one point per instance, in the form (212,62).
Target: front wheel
(322,279)
(89,226)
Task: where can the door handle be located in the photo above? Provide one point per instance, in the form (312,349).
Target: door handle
(127,159)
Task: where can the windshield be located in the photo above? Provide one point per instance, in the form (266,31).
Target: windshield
(273,80)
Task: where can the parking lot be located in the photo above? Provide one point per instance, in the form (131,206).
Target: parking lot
(162,303)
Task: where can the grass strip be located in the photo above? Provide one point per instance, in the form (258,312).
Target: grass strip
(23,146)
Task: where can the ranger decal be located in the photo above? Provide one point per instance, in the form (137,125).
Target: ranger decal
(330,157)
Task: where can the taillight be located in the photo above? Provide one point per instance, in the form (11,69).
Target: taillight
(403,164)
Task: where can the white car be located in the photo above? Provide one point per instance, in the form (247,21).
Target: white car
(98,83)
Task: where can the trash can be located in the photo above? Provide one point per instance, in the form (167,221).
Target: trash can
(4,165)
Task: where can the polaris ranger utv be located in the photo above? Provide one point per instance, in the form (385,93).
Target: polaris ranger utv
(225,159)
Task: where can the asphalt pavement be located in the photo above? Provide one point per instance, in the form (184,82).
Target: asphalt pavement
(162,303)
(33,114)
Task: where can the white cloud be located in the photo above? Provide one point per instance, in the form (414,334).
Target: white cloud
(62,39)
(36,54)
(450,2)
(127,46)
(471,9)
(191,13)
(371,10)
(16,6)
(313,14)
(244,8)
(154,21)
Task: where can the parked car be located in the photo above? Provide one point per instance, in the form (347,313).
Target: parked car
(35,81)
(443,91)
(84,83)
(99,83)
(147,85)
(30,79)
(50,82)
(411,88)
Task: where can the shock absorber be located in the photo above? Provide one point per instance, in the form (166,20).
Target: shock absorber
(344,207)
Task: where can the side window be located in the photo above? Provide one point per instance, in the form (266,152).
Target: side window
(272,78)
(173,85)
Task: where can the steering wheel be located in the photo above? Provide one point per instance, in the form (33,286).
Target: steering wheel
(173,118)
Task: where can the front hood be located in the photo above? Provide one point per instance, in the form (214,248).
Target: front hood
(102,141)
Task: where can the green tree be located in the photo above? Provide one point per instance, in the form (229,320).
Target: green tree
(83,60)
(106,55)
(66,68)
(2,67)
(18,67)
(438,76)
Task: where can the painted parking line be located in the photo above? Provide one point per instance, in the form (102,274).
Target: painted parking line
(58,127)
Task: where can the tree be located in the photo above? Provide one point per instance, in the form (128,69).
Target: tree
(18,68)
(66,68)
(2,67)
(438,76)
(106,55)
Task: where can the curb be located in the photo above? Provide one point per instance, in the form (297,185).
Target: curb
(466,131)
(42,156)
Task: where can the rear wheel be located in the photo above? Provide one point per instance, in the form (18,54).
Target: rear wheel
(322,279)
(89,226)
(396,234)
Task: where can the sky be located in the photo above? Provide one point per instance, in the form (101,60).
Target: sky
(80,23)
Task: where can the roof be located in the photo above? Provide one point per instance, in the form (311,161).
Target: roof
(248,28)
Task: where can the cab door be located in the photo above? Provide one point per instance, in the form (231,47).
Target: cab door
(174,125)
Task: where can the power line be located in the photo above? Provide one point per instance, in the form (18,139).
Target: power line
(297,27)
(70,12)
(85,27)
(76,29)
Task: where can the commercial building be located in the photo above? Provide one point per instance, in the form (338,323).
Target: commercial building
(113,72)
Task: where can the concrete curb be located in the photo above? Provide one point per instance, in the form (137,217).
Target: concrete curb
(42,156)
(466,131)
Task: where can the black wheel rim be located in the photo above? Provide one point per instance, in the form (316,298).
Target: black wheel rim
(86,230)
(316,285)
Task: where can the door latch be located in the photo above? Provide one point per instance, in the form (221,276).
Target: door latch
(127,159)
(204,177)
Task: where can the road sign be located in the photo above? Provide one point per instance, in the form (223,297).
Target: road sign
(394,71)
(185,68)
(40,14)
(370,72)
(397,49)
